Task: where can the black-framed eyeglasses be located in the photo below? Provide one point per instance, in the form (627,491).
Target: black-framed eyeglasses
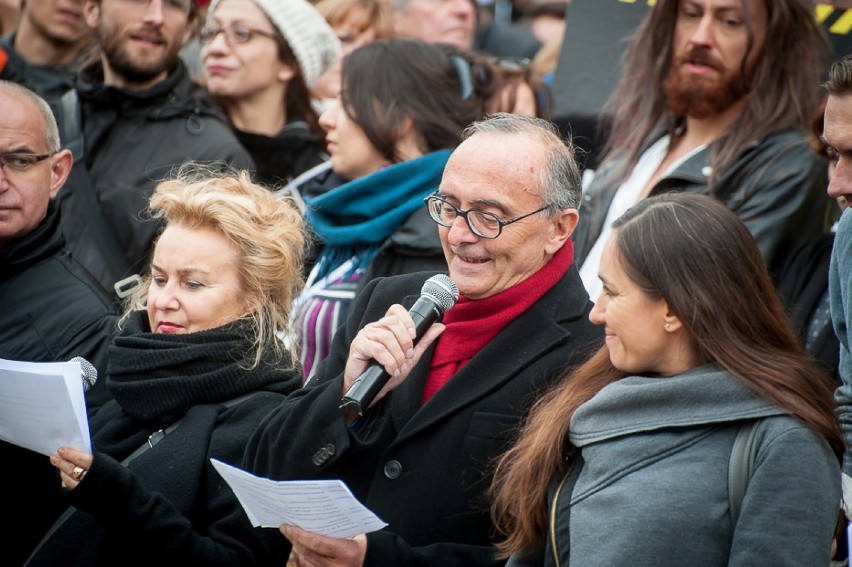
(20,162)
(481,223)
(234,35)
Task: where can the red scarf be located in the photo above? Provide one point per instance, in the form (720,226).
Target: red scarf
(471,324)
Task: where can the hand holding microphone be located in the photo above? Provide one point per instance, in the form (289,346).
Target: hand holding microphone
(387,340)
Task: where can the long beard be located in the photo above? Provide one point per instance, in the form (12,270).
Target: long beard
(129,65)
(698,96)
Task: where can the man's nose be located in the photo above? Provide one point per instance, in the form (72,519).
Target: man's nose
(154,13)
(460,232)
(703,32)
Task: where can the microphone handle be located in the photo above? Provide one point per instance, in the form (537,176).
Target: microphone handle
(363,391)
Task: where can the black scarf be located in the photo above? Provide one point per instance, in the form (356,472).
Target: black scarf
(158,376)
(43,242)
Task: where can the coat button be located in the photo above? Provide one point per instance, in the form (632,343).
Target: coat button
(321,456)
(393,469)
(331,449)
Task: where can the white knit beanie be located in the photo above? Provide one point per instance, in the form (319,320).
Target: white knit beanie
(309,36)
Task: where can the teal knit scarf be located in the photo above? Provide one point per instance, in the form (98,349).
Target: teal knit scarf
(354,219)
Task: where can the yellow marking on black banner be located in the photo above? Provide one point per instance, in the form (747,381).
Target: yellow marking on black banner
(843,24)
(823,11)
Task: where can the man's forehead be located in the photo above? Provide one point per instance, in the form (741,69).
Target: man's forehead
(837,122)
(21,125)
(752,10)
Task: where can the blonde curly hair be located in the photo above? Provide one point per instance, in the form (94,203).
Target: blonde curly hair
(268,232)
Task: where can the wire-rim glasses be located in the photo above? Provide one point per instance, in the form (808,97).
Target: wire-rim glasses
(481,223)
(234,35)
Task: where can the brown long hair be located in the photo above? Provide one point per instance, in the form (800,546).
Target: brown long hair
(386,82)
(695,254)
(297,100)
(784,86)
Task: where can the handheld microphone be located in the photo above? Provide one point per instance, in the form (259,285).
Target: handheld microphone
(88,372)
(438,294)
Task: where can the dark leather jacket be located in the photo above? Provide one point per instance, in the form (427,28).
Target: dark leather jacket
(776,186)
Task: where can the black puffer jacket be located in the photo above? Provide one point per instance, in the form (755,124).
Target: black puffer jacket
(48,81)
(133,140)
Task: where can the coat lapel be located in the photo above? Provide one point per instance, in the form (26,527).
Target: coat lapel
(533,333)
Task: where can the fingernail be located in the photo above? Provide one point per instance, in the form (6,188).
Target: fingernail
(409,353)
(404,367)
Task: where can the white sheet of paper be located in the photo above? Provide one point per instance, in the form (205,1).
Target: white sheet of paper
(325,507)
(42,406)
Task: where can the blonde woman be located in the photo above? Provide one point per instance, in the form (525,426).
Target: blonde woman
(192,374)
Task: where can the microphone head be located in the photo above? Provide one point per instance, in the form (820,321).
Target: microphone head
(442,290)
(88,372)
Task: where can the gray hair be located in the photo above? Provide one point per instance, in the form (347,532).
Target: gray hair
(51,130)
(560,179)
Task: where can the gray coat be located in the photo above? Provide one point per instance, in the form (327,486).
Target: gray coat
(652,485)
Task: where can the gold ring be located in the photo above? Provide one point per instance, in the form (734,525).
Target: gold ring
(77,473)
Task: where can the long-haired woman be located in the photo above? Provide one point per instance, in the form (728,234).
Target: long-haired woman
(627,461)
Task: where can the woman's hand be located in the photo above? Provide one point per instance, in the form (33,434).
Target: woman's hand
(72,465)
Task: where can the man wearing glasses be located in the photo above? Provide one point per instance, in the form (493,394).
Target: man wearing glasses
(420,456)
(140,116)
(52,308)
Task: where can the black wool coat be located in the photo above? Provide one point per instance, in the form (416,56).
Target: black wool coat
(424,469)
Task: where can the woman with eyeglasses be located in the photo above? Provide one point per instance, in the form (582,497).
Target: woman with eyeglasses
(402,106)
(260,59)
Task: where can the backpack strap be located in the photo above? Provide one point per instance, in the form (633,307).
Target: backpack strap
(741,466)
(89,236)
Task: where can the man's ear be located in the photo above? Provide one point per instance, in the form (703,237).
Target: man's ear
(92,13)
(562,226)
(60,167)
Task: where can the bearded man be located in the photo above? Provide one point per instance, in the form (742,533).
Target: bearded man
(715,99)
(142,117)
